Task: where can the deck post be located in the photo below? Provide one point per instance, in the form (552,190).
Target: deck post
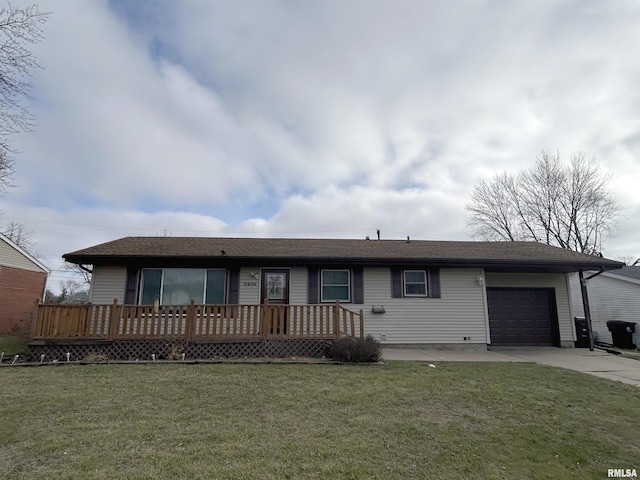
(264,319)
(85,320)
(352,324)
(114,323)
(336,320)
(190,320)
(361,314)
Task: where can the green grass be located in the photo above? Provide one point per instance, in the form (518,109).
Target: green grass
(267,421)
(12,345)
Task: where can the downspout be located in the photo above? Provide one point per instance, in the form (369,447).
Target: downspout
(585,303)
(485,307)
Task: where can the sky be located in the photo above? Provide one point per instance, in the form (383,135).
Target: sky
(317,118)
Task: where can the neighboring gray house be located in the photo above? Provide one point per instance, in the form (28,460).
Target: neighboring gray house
(613,295)
(412,292)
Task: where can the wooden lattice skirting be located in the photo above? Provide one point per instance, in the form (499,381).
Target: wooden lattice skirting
(173,349)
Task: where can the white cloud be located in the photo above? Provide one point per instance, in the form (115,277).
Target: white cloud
(316,118)
(358,212)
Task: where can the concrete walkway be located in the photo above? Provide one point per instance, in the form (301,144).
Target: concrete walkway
(598,362)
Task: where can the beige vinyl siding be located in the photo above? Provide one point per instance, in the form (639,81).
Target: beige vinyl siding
(459,313)
(611,297)
(299,284)
(108,283)
(10,257)
(557,281)
(249,293)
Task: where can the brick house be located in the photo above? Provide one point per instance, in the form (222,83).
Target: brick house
(22,283)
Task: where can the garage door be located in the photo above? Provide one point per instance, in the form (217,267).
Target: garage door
(522,316)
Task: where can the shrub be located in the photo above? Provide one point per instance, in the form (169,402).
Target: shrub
(356,350)
(96,357)
(176,352)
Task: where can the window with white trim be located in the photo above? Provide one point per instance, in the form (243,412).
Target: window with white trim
(335,285)
(415,283)
(178,286)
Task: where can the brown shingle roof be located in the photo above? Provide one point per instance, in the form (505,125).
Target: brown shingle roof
(298,251)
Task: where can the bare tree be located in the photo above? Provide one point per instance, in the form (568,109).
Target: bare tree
(20,28)
(68,289)
(83,272)
(19,234)
(71,287)
(569,206)
(164,233)
(628,260)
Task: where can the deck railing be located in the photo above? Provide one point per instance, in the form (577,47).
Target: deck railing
(196,322)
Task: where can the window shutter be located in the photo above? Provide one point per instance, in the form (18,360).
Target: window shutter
(434,282)
(358,285)
(234,286)
(312,289)
(131,287)
(396,282)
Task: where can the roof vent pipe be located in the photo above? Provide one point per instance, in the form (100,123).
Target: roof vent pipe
(408,239)
(378,233)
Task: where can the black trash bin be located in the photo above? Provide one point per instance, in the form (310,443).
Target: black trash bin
(622,333)
(582,333)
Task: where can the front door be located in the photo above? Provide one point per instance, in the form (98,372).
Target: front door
(275,292)
(275,287)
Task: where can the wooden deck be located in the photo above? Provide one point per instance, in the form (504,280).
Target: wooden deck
(195,322)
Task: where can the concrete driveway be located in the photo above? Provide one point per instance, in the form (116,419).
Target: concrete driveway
(598,362)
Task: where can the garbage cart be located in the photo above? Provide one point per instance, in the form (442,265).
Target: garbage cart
(622,333)
(582,333)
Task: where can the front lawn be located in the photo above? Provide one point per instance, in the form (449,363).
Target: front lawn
(236,421)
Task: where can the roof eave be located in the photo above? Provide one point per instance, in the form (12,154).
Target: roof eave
(488,264)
